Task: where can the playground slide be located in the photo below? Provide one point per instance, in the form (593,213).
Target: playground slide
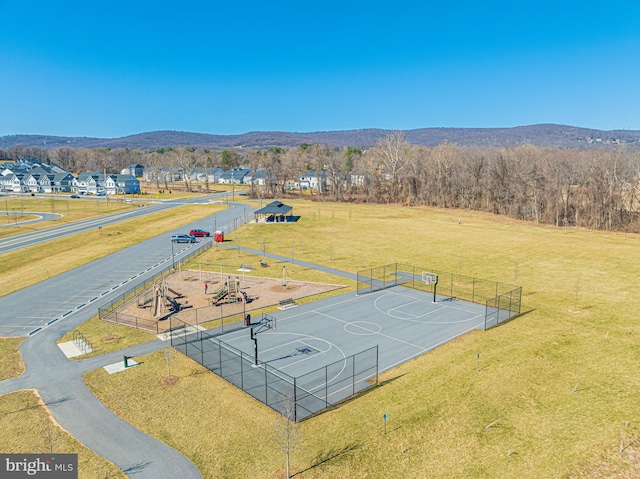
(156,303)
(220,293)
(174,293)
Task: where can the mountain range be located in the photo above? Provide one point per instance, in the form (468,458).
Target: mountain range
(543,135)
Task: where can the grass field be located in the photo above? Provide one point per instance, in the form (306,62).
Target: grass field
(555,388)
(28,426)
(554,391)
(72,210)
(11,364)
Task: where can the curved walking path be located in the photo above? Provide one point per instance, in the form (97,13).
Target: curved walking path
(39,217)
(32,312)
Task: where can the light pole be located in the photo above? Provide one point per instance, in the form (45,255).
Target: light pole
(173,259)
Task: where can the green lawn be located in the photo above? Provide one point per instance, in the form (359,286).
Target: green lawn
(554,390)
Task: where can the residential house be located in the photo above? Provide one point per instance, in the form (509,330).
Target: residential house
(15,183)
(133,169)
(234,176)
(87,183)
(45,183)
(62,182)
(258,177)
(312,180)
(31,182)
(124,184)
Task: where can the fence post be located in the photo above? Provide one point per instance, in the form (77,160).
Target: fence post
(266,386)
(451,285)
(473,290)
(371,280)
(377,366)
(326,387)
(353,375)
(295,400)
(241,370)
(486,312)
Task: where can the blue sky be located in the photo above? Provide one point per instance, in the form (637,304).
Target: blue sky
(110,69)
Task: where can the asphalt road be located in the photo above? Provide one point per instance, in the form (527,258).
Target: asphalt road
(47,310)
(30,239)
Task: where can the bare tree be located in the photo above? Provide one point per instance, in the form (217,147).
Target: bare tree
(168,358)
(287,434)
(50,432)
(393,151)
(186,161)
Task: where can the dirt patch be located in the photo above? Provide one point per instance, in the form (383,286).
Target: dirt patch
(169,381)
(224,295)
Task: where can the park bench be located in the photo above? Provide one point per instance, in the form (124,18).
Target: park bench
(287,303)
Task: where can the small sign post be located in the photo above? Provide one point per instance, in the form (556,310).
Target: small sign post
(384,420)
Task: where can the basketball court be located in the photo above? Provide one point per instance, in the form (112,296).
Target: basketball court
(402,322)
(318,354)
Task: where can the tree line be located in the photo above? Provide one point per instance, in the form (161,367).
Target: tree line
(597,189)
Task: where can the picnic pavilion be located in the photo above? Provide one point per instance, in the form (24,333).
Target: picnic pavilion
(276,212)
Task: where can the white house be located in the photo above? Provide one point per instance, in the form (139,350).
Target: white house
(311,179)
(234,176)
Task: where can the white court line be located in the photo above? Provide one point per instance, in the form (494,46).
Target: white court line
(277,372)
(378,333)
(398,308)
(391,366)
(447,299)
(306,336)
(308,345)
(375,303)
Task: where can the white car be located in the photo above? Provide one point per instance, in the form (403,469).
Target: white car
(183,239)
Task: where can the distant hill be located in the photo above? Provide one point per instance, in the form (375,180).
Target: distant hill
(545,135)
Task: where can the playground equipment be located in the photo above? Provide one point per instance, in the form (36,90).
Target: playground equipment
(163,304)
(229,292)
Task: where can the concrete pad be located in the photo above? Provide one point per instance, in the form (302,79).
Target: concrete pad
(119,366)
(71,349)
(180,332)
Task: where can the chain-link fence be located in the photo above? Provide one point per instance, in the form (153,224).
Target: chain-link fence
(109,312)
(304,395)
(502,300)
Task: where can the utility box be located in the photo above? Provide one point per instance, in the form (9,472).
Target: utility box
(218,237)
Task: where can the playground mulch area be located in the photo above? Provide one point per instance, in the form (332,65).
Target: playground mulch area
(187,288)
